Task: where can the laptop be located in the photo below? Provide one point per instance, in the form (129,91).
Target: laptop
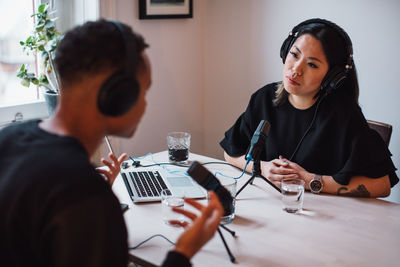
(145,185)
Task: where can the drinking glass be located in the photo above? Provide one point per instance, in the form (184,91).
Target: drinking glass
(178,146)
(168,201)
(230,184)
(292,194)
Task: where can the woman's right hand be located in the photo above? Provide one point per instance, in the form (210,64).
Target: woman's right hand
(274,170)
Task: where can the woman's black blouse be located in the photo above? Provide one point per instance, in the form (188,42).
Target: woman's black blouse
(339,142)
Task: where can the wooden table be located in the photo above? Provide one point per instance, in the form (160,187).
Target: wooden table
(330,231)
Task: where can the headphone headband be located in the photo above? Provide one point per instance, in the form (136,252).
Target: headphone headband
(130,58)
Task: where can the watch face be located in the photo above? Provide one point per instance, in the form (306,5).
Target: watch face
(315,185)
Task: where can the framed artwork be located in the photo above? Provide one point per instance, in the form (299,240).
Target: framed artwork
(165,9)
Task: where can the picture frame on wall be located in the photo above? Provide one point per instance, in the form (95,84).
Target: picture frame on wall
(165,9)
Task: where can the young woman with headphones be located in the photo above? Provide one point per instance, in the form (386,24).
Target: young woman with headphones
(318,132)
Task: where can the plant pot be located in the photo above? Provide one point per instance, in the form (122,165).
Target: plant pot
(51,102)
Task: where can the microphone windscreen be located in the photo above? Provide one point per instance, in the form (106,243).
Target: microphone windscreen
(258,139)
(208,181)
(266,126)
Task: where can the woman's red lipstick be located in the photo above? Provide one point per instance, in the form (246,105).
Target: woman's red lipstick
(291,81)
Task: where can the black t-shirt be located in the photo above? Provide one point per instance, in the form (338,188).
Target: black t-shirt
(55,209)
(339,142)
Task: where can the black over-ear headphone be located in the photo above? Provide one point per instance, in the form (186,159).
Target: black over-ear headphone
(337,74)
(121,90)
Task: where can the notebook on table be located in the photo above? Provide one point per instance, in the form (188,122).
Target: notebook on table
(145,185)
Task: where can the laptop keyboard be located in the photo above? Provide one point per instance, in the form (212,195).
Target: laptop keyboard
(146,183)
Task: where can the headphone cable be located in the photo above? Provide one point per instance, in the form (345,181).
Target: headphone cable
(309,127)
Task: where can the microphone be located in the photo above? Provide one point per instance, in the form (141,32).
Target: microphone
(208,181)
(258,139)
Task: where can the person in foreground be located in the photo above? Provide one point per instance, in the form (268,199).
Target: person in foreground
(318,132)
(56,208)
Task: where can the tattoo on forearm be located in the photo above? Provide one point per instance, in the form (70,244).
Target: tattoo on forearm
(361,191)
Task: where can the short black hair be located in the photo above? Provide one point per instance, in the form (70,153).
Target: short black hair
(94,47)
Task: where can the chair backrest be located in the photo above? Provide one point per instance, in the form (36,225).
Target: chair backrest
(384,130)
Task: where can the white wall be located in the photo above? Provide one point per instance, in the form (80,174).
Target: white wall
(205,68)
(175,100)
(242,43)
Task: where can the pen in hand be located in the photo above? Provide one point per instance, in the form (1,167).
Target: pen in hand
(108,144)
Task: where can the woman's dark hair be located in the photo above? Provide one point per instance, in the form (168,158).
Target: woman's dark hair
(94,47)
(336,49)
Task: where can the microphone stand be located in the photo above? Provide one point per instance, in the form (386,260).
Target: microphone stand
(227,229)
(231,257)
(257,173)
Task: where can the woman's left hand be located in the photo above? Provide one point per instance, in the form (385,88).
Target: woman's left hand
(114,167)
(300,171)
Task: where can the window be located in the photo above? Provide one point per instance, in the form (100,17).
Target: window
(11,54)
(16,101)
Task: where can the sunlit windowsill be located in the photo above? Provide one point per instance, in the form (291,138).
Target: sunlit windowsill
(32,110)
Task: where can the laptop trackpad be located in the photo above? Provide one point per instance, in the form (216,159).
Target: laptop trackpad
(179,181)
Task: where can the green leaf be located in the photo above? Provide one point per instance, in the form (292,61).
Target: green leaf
(42,8)
(43,79)
(25,82)
(45,55)
(20,75)
(39,27)
(35,81)
(22,69)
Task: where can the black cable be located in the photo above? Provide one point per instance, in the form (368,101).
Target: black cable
(151,237)
(309,127)
(222,162)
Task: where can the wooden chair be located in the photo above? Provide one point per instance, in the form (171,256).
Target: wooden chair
(384,130)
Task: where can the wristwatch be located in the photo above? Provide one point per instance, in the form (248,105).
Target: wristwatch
(316,184)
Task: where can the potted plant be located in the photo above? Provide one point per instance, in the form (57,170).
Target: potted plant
(42,43)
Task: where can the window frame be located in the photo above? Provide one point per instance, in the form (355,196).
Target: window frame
(37,109)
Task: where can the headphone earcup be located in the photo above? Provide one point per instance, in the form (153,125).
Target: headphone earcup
(286,47)
(117,94)
(333,79)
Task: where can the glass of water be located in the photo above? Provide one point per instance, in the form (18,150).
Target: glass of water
(292,194)
(168,201)
(230,184)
